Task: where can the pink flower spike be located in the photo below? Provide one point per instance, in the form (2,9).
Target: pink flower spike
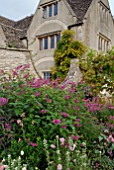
(33,144)
(57,121)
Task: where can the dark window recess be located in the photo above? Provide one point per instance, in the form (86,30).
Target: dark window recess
(46,43)
(45,12)
(50,11)
(57,38)
(52,42)
(47,75)
(56,8)
(40,44)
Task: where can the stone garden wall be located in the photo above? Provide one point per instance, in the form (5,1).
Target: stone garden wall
(11,58)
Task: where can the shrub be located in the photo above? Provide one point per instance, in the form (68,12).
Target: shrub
(67,49)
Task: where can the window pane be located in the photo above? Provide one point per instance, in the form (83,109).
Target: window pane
(46,43)
(50,11)
(57,38)
(52,41)
(47,75)
(45,12)
(40,44)
(56,8)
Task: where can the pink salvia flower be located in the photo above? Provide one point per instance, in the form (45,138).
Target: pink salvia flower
(57,121)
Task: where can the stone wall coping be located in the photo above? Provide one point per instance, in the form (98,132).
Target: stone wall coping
(15,49)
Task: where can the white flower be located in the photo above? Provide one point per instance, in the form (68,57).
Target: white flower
(44,141)
(59,167)
(58,151)
(22,152)
(3,160)
(24,168)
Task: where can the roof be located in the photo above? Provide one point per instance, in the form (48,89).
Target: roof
(23,24)
(80,8)
(15,31)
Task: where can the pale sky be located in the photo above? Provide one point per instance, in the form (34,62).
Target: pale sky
(18,9)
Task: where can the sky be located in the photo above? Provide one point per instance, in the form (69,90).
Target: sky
(18,9)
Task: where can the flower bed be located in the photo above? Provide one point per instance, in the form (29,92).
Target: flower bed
(77,127)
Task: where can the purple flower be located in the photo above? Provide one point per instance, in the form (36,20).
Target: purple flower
(77,125)
(43,111)
(57,121)
(48,100)
(67,97)
(14,73)
(19,67)
(3,101)
(63,126)
(72,90)
(75,137)
(37,94)
(111,125)
(64,114)
(7,126)
(77,120)
(76,101)
(26,66)
(111,117)
(33,144)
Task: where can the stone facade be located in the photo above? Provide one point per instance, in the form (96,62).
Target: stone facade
(90,19)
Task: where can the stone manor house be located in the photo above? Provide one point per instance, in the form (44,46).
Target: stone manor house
(34,39)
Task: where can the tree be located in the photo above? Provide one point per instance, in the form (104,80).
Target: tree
(67,49)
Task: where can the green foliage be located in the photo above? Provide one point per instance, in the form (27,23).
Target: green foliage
(37,109)
(67,49)
(98,70)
